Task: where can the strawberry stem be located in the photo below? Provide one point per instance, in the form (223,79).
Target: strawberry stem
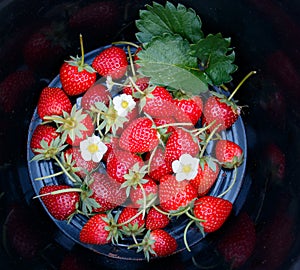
(185,233)
(125,43)
(49,176)
(232,183)
(61,191)
(64,169)
(240,84)
(82,50)
(208,140)
(131,61)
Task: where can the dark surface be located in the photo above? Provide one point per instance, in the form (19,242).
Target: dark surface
(266,37)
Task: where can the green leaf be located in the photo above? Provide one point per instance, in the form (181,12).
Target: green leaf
(167,61)
(158,20)
(216,58)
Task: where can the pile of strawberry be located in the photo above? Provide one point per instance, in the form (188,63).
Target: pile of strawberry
(132,156)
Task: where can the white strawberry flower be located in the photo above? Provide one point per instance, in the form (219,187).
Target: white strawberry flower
(92,148)
(123,104)
(186,168)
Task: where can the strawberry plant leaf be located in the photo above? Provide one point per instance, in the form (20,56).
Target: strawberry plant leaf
(216,58)
(158,19)
(173,67)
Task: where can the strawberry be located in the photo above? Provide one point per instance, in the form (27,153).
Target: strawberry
(213,210)
(94,231)
(158,166)
(96,93)
(119,162)
(238,241)
(157,102)
(208,172)
(42,132)
(158,243)
(190,109)
(156,220)
(111,62)
(61,206)
(174,194)
(220,109)
(150,190)
(53,101)
(133,223)
(14,88)
(139,136)
(76,76)
(106,192)
(83,165)
(180,142)
(228,153)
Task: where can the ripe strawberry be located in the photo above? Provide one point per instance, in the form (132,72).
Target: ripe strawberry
(208,172)
(175,194)
(213,210)
(111,62)
(14,88)
(139,136)
(42,132)
(83,165)
(60,206)
(141,82)
(238,241)
(107,192)
(158,165)
(119,162)
(132,224)
(95,230)
(221,110)
(53,101)
(228,153)
(76,76)
(96,93)
(157,102)
(150,190)
(190,109)
(156,220)
(180,142)
(158,243)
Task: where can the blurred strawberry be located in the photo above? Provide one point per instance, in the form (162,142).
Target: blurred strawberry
(237,241)
(14,88)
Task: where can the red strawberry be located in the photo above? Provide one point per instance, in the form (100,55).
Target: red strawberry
(132,224)
(156,220)
(141,82)
(228,153)
(85,166)
(96,93)
(180,142)
(76,76)
(238,241)
(94,230)
(60,206)
(221,110)
(139,136)
(208,172)
(157,102)
(107,192)
(111,62)
(158,166)
(14,88)
(158,243)
(119,162)
(175,194)
(42,132)
(53,101)
(150,190)
(213,210)
(190,109)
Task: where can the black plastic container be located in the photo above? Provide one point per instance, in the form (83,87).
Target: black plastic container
(266,37)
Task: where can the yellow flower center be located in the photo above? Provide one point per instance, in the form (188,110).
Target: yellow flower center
(93,148)
(124,104)
(186,168)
